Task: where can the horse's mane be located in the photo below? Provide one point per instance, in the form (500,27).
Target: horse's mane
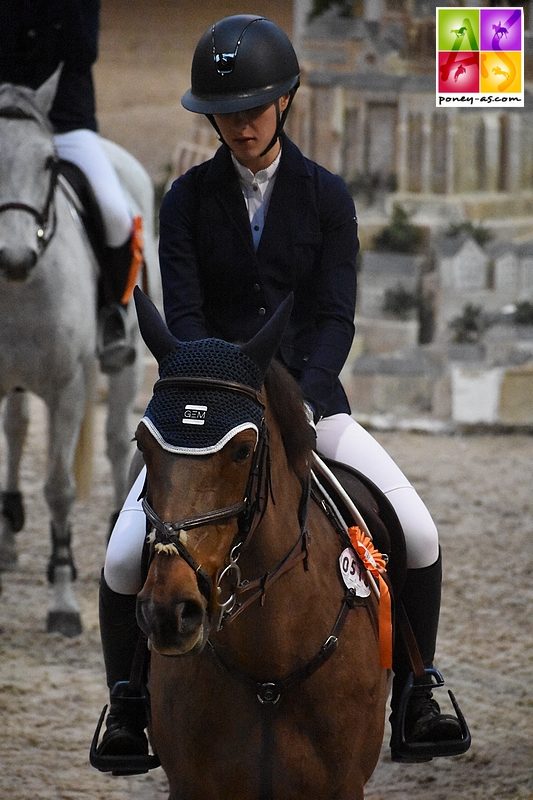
(286,403)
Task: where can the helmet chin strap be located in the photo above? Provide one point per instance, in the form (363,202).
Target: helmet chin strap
(279,126)
(280,122)
(212,120)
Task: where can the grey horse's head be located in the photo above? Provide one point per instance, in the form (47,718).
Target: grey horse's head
(27,176)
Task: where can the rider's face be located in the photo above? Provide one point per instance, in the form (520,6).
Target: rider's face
(247,133)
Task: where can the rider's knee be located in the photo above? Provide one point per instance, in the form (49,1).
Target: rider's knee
(421,535)
(122,569)
(118,223)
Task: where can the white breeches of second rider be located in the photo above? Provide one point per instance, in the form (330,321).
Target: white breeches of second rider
(84,148)
(339,437)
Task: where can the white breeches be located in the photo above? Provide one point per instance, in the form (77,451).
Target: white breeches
(84,148)
(339,437)
(122,568)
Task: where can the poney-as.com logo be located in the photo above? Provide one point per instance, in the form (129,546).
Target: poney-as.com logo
(480,57)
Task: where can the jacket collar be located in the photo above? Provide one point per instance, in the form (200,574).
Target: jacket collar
(221,169)
(222,183)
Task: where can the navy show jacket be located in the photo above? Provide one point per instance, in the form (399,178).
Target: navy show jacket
(216,285)
(38,35)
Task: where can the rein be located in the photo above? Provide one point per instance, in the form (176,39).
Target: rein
(269,692)
(249,591)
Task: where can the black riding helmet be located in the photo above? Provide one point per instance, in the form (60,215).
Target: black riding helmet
(242,62)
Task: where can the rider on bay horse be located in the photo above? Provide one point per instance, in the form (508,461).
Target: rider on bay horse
(35,39)
(238,233)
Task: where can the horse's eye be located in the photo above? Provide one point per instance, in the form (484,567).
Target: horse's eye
(242,452)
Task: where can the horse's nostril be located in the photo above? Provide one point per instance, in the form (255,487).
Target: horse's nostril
(189,616)
(16,263)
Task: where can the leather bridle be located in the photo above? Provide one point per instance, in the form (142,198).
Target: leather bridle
(248,512)
(46,219)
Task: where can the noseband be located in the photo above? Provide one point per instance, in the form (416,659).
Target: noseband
(247,512)
(46,219)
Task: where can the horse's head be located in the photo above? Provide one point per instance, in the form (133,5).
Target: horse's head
(27,176)
(203,438)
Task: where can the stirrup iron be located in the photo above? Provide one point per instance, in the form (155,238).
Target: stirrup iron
(425,751)
(122,764)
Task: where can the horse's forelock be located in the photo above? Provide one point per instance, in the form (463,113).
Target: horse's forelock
(286,403)
(17,102)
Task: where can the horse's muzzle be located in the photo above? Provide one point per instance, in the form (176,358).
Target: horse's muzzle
(175,628)
(16,265)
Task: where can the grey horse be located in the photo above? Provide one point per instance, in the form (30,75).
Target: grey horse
(48,289)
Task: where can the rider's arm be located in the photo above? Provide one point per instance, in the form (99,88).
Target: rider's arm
(79,43)
(182,291)
(335,291)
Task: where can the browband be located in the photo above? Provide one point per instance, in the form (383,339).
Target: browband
(209,383)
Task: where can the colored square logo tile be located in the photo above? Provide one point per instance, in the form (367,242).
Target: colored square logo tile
(458,28)
(501,72)
(458,72)
(479,57)
(501,29)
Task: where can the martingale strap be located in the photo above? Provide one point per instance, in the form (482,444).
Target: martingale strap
(249,591)
(269,692)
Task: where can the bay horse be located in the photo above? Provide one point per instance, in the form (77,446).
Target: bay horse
(48,285)
(265,678)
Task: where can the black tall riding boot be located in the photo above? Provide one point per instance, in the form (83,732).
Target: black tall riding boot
(124,746)
(420,719)
(115,349)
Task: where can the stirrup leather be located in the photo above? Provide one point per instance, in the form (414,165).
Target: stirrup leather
(425,751)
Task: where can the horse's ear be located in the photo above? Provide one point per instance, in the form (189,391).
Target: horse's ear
(264,345)
(154,330)
(44,95)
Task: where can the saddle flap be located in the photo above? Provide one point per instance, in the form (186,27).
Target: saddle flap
(82,197)
(377,512)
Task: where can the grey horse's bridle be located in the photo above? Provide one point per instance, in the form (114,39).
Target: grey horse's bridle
(46,219)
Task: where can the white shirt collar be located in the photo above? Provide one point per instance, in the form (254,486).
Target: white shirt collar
(248,178)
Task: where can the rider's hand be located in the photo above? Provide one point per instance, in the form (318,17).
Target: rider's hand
(310,414)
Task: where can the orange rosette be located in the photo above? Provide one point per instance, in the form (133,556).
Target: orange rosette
(376,565)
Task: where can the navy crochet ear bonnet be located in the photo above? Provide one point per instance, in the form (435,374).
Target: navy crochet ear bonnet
(195,420)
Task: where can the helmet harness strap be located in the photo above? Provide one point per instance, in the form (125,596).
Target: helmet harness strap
(280,122)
